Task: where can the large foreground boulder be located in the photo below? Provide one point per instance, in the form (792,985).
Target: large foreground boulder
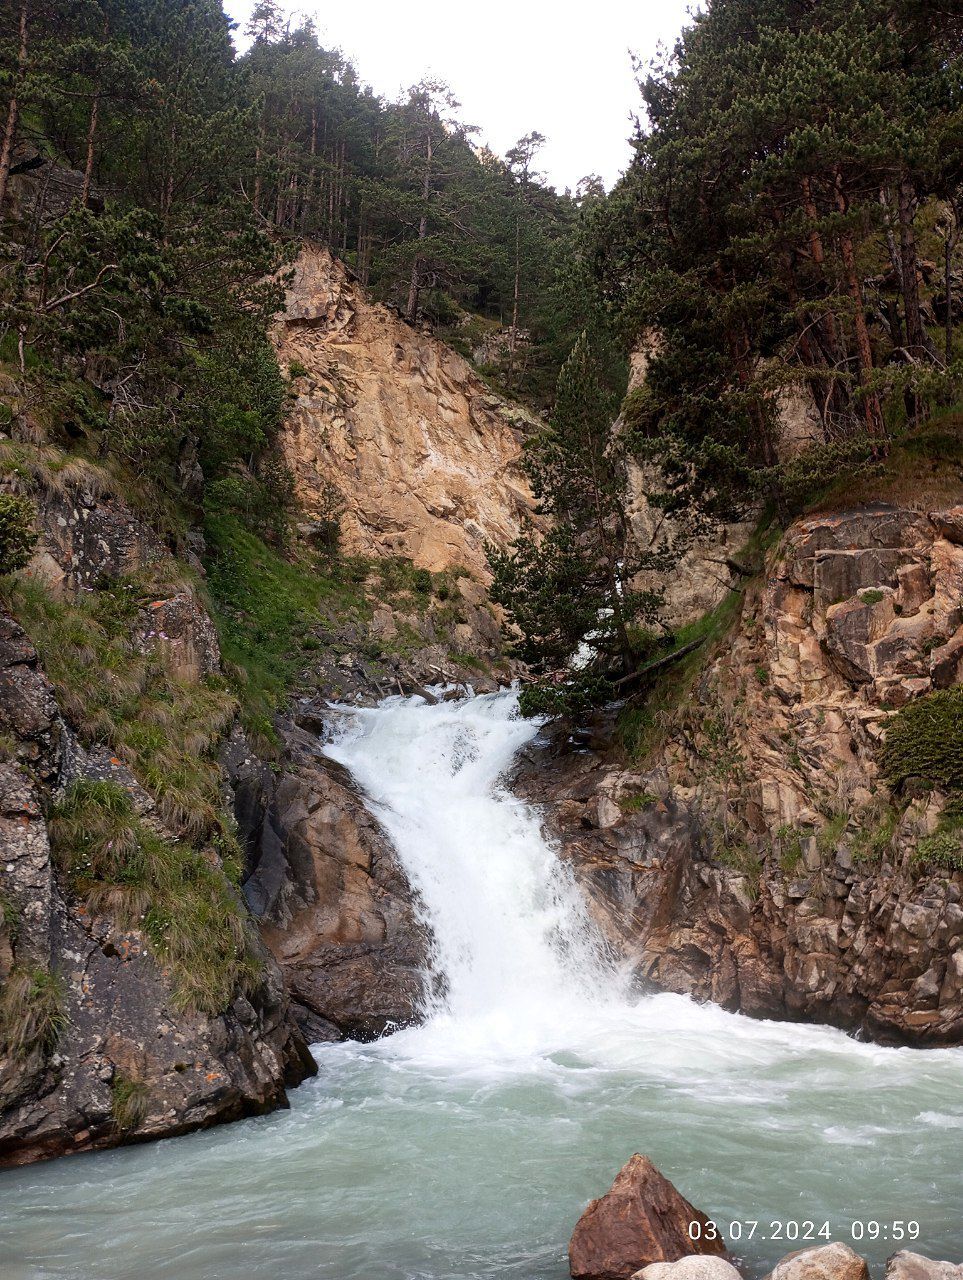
(642,1219)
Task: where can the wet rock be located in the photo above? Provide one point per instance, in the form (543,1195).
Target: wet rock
(828,1262)
(642,1219)
(602,811)
(334,905)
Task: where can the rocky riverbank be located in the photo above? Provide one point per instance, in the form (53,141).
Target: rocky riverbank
(107,1033)
(758,856)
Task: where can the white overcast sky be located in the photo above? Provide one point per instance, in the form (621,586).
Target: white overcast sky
(562,68)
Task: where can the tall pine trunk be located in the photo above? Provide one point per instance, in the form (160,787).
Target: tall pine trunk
(949,249)
(864,351)
(13,109)
(414,287)
(259,160)
(828,330)
(895,321)
(513,336)
(917,342)
(91,137)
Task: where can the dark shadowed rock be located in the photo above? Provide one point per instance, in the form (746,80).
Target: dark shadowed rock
(641,1219)
(949,524)
(333,902)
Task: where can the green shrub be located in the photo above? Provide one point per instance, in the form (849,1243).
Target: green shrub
(944,848)
(9,918)
(832,833)
(790,848)
(874,835)
(637,802)
(17,535)
(580,692)
(737,856)
(468,661)
(264,606)
(925,740)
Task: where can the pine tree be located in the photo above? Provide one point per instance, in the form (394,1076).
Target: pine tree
(576,582)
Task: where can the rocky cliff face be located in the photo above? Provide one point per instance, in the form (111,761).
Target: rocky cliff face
(97,1044)
(393,431)
(333,903)
(759,859)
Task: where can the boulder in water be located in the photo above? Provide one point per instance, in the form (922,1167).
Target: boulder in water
(906,1265)
(828,1262)
(694,1267)
(642,1219)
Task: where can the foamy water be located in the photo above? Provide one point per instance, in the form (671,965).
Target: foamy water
(468,1146)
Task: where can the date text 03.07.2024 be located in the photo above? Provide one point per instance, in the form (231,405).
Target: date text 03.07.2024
(805,1231)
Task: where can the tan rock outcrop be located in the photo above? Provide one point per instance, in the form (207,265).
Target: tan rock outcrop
(394,430)
(640,1220)
(768,868)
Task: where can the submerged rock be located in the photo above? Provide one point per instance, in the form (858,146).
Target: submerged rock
(641,1219)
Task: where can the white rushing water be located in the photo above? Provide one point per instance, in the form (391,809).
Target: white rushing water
(512,938)
(465,1149)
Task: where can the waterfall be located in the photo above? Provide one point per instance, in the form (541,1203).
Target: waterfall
(512,938)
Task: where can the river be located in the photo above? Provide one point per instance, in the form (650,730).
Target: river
(468,1146)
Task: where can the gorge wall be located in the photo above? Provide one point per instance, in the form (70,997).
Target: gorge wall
(758,858)
(99,1043)
(393,436)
